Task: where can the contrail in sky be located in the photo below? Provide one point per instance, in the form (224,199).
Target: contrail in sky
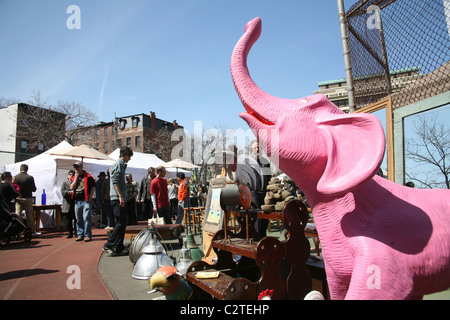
(102,91)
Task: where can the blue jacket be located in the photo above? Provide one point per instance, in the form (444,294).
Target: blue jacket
(118,178)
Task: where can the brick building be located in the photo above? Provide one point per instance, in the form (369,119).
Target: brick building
(141,132)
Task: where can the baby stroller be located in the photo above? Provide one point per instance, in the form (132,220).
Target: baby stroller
(11,228)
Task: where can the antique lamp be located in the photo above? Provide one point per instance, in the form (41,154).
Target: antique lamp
(153,257)
(195,251)
(184,260)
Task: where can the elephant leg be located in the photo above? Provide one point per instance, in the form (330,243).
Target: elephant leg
(379,279)
(337,285)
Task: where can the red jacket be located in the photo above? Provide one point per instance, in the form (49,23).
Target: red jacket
(183,191)
(89,182)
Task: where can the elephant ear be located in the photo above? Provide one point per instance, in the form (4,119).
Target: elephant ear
(355,145)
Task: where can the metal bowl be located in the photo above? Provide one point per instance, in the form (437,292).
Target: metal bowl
(141,240)
(153,257)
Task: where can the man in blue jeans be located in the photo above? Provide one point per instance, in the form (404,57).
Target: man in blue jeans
(83,186)
(114,246)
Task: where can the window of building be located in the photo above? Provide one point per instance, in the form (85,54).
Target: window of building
(128,141)
(40,147)
(122,124)
(23,146)
(137,141)
(119,143)
(135,122)
(106,131)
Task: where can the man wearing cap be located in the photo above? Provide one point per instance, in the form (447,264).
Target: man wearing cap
(83,186)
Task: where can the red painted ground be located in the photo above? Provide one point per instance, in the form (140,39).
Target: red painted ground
(40,269)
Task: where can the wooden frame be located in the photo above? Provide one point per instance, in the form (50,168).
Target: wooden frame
(385,103)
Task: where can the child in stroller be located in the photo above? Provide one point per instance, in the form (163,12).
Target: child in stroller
(11,227)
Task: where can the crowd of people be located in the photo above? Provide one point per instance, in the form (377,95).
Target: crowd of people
(114,195)
(121,201)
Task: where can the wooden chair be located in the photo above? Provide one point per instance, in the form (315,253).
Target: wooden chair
(193,216)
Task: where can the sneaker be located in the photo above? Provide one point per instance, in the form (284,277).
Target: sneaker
(36,234)
(87,239)
(124,252)
(79,239)
(108,250)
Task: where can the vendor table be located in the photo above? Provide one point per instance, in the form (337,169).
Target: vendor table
(166,231)
(37,213)
(262,261)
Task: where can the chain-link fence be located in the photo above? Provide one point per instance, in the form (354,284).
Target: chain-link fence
(9,157)
(399,48)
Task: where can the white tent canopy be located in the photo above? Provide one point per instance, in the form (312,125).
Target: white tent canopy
(144,161)
(43,169)
(140,160)
(50,171)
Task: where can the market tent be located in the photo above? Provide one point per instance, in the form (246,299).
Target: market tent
(43,168)
(81,152)
(50,171)
(139,159)
(146,160)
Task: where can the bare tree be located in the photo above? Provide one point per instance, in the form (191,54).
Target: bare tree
(159,143)
(48,127)
(78,119)
(430,153)
(77,115)
(36,99)
(4,102)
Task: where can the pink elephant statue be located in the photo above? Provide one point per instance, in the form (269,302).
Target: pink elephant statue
(380,240)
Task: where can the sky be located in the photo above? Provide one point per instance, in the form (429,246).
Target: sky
(170,57)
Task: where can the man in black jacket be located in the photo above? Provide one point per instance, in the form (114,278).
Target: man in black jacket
(25,199)
(254,171)
(144,194)
(68,205)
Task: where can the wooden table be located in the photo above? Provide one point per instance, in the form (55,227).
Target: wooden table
(166,231)
(37,213)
